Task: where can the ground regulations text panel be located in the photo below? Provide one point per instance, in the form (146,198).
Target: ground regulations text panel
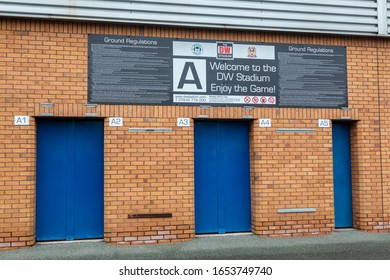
(165,71)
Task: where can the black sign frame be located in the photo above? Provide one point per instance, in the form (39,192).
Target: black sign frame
(184,72)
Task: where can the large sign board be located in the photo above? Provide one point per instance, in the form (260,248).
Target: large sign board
(166,71)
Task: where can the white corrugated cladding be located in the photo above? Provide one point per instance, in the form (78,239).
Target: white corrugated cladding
(327,16)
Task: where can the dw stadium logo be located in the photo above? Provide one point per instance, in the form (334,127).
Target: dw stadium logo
(224,50)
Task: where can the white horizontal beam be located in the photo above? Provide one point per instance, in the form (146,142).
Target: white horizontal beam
(341,17)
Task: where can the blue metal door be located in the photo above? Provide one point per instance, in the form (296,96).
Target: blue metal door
(342,175)
(222,184)
(69,179)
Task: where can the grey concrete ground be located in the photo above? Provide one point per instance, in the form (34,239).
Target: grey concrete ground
(343,245)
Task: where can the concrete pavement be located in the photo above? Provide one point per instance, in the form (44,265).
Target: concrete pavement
(341,245)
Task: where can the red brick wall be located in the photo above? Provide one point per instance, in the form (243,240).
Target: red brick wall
(384,91)
(46,62)
(366,172)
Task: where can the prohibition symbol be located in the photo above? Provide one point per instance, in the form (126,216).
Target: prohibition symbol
(255,99)
(271,100)
(263,100)
(247,99)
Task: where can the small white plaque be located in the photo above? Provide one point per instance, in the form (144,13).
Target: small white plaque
(183,122)
(115,121)
(264,122)
(21,120)
(324,123)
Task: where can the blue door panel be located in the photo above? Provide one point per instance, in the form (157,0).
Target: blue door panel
(342,175)
(89,180)
(234,175)
(222,186)
(206,179)
(52,150)
(69,179)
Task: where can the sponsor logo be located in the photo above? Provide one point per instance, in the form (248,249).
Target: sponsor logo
(252,52)
(224,50)
(197,49)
